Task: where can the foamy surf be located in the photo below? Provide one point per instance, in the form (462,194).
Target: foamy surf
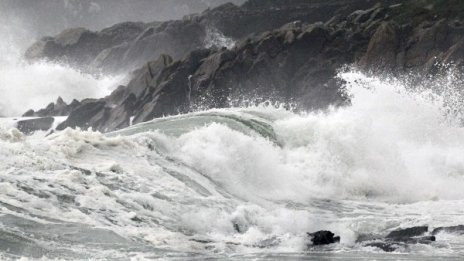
(240,183)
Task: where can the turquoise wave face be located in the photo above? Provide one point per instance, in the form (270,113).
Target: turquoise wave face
(247,121)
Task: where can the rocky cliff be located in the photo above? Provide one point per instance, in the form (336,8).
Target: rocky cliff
(128,46)
(293,63)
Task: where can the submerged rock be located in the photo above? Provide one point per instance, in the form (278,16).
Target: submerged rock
(323,237)
(459,229)
(396,239)
(390,245)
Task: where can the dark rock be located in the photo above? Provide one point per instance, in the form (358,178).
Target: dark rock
(29,113)
(59,108)
(90,113)
(127,46)
(32,125)
(292,64)
(382,49)
(79,46)
(400,238)
(408,232)
(390,245)
(459,229)
(385,246)
(323,237)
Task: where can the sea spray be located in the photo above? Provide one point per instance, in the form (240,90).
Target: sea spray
(33,86)
(28,85)
(220,186)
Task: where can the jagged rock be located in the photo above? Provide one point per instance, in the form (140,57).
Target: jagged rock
(323,237)
(295,63)
(127,46)
(59,108)
(80,46)
(382,49)
(90,113)
(32,125)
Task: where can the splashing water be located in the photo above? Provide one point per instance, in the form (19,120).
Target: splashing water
(230,182)
(215,38)
(34,85)
(26,86)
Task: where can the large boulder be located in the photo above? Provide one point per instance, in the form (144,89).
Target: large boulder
(38,124)
(323,237)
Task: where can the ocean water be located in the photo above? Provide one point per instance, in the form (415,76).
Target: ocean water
(242,183)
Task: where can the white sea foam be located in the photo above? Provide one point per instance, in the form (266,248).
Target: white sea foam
(215,38)
(34,85)
(393,158)
(25,86)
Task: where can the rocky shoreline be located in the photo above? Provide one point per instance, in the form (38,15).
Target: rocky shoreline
(286,53)
(394,240)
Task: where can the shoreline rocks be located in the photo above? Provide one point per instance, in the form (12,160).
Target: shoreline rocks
(294,63)
(400,238)
(32,125)
(323,237)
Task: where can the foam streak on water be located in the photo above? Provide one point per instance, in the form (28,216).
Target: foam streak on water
(240,182)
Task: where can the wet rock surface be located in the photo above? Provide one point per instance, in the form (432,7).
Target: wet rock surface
(323,237)
(293,63)
(400,238)
(126,46)
(459,229)
(37,124)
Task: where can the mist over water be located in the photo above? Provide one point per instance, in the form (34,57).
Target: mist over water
(27,86)
(33,85)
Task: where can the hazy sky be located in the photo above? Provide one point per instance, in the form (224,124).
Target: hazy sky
(52,16)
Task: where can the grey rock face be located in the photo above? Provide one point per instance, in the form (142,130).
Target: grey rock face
(459,229)
(295,63)
(32,125)
(59,108)
(396,239)
(127,46)
(80,46)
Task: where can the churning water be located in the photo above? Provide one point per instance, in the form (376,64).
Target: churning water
(241,183)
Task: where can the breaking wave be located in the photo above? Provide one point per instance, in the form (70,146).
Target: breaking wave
(237,181)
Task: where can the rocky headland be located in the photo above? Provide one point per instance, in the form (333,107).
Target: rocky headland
(277,50)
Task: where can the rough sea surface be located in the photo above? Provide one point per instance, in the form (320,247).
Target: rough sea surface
(241,183)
